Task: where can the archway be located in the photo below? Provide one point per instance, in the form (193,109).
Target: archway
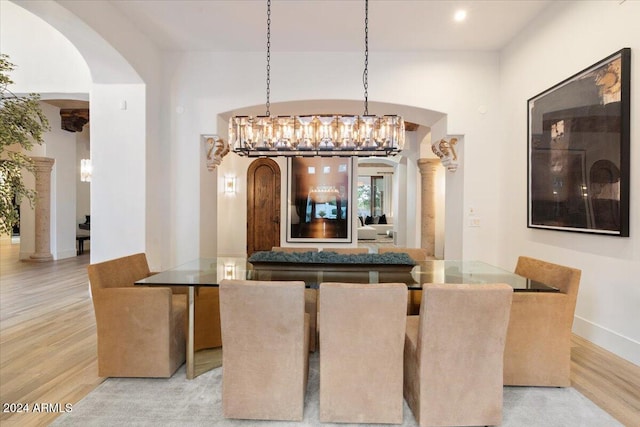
(430,125)
(263,205)
(118,94)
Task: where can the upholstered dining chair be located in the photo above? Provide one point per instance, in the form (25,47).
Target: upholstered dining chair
(293,249)
(310,296)
(361,347)
(141,330)
(340,276)
(538,347)
(453,354)
(347,251)
(265,333)
(416,254)
(207,316)
(207,332)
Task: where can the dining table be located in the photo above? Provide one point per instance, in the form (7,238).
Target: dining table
(208,272)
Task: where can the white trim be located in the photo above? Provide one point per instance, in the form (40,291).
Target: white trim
(612,341)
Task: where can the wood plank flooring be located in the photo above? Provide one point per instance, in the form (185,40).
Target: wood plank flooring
(607,380)
(47,336)
(48,345)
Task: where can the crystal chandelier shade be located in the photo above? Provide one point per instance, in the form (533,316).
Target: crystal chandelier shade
(317,135)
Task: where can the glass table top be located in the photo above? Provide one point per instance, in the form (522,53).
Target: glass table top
(210,271)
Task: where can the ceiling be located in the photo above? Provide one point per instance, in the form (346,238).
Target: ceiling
(329,25)
(326,25)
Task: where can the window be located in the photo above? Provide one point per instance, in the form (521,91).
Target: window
(370,196)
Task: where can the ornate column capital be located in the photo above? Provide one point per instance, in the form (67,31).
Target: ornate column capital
(446,151)
(427,165)
(43,164)
(216,149)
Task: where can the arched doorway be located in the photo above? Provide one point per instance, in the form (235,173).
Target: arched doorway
(263,205)
(406,201)
(120,123)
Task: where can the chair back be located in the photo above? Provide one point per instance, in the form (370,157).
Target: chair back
(118,273)
(140,330)
(416,254)
(567,279)
(292,249)
(347,251)
(538,346)
(265,356)
(461,342)
(361,346)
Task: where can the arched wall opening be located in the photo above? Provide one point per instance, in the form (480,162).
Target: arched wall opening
(230,227)
(117,95)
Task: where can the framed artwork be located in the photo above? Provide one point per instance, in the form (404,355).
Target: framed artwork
(578,151)
(319,199)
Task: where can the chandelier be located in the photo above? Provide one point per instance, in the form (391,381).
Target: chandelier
(317,135)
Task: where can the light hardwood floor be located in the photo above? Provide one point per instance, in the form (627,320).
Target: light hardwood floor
(47,336)
(48,345)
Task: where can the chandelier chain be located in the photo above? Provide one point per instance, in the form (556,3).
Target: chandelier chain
(268,104)
(365,75)
(310,135)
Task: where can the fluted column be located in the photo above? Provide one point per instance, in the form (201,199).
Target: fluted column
(428,208)
(43,166)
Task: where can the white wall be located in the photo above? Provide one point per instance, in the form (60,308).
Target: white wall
(61,146)
(410,234)
(31,43)
(118,205)
(561,42)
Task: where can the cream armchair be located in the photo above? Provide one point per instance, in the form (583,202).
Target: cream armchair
(361,347)
(265,335)
(453,354)
(310,295)
(293,249)
(416,254)
(347,251)
(141,330)
(207,332)
(538,347)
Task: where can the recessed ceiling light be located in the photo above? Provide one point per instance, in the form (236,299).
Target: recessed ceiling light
(460,15)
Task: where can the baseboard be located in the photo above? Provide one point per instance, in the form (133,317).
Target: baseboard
(60,255)
(620,345)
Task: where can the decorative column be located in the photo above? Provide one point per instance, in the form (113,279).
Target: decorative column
(428,217)
(43,166)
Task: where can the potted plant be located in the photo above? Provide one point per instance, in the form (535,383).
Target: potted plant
(22,124)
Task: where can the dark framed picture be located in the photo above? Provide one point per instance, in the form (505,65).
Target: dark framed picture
(578,151)
(319,199)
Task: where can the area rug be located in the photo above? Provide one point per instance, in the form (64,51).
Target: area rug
(180,402)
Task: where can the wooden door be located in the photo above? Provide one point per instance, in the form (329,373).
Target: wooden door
(263,206)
